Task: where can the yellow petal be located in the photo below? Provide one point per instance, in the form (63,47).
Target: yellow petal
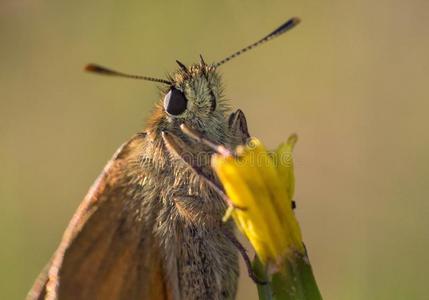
(263,184)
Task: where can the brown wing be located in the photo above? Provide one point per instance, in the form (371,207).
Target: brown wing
(108,250)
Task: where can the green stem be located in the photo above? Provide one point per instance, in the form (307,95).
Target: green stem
(294,282)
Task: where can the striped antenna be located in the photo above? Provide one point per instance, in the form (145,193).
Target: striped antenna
(105,71)
(280,30)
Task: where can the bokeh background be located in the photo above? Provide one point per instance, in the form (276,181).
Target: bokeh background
(351,80)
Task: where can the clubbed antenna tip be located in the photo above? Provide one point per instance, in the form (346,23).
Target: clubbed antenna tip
(94,68)
(278,31)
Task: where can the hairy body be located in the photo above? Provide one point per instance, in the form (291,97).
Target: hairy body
(150,227)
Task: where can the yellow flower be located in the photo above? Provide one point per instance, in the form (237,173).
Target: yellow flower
(262,183)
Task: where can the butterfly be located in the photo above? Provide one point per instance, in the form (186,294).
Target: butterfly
(150,226)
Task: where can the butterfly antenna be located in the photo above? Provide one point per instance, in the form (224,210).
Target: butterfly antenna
(280,30)
(94,68)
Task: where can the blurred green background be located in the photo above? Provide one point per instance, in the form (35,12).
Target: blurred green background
(351,80)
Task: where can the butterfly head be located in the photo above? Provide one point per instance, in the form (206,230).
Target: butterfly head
(194,96)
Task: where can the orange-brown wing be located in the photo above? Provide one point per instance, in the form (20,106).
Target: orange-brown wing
(108,250)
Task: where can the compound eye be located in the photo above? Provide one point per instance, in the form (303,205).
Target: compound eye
(175,102)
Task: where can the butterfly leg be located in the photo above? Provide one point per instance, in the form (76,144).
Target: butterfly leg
(246,258)
(235,118)
(192,209)
(175,146)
